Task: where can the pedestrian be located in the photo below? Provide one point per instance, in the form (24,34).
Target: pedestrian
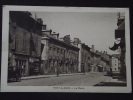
(22,70)
(111,74)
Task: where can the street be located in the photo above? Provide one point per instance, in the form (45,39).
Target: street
(89,79)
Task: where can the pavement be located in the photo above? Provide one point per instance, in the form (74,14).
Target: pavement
(71,79)
(97,81)
(48,76)
(113,81)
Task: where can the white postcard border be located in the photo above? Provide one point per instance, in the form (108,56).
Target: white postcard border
(5,31)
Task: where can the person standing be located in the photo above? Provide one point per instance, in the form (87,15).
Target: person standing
(111,74)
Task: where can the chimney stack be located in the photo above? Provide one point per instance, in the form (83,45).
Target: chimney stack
(55,35)
(50,31)
(44,27)
(92,48)
(40,20)
(58,36)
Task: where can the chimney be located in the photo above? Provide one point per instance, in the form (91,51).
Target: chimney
(92,48)
(40,20)
(44,27)
(58,36)
(50,31)
(55,35)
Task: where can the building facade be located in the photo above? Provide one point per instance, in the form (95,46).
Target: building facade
(120,34)
(24,41)
(58,56)
(115,64)
(100,61)
(84,58)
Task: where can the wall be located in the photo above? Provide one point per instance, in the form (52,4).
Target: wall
(56,55)
(115,64)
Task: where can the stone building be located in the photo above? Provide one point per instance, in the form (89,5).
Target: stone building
(100,61)
(120,36)
(105,58)
(24,41)
(58,56)
(84,58)
(115,64)
(95,58)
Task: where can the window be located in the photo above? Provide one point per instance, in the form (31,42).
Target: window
(61,51)
(57,50)
(50,48)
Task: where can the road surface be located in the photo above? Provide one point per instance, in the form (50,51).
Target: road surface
(89,79)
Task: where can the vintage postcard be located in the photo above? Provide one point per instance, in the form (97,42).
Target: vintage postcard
(65,49)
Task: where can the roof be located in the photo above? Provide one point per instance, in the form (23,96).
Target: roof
(116,55)
(104,56)
(52,39)
(25,21)
(86,47)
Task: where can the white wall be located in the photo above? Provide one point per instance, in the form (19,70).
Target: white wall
(45,49)
(79,66)
(115,64)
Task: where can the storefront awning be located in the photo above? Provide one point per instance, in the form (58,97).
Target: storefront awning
(100,66)
(115,47)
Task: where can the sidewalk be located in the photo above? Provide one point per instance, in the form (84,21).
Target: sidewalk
(48,76)
(113,81)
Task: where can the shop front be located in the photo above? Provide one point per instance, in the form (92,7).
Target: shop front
(34,66)
(22,62)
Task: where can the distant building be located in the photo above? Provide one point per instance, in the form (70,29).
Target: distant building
(106,59)
(94,59)
(117,61)
(24,41)
(100,61)
(84,58)
(58,55)
(115,64)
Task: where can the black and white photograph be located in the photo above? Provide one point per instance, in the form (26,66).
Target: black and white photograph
(65,49)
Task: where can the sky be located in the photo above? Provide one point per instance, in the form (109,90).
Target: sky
(92,28)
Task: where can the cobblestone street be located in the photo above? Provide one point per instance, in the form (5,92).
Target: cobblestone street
(89,79)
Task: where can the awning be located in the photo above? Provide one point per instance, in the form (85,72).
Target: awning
(100,66)
(115,47)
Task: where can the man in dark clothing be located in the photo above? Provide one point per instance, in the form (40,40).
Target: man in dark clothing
(111,74)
